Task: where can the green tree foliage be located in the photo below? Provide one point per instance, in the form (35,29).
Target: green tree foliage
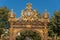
(54,26)
(3,18)
(1,32)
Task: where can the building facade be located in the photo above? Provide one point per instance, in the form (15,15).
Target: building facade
(29,20)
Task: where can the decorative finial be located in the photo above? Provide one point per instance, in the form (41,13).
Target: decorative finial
(29,6)
(12,13)
(45,10)
(11,10)
(22,12)
(46,15)
(35,10)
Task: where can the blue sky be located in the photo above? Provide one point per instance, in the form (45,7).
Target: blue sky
(40,5)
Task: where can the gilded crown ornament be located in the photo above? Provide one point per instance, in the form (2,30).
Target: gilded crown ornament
(29,6)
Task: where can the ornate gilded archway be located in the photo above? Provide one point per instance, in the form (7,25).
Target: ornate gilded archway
(16,31)
(28,35)
(28,21)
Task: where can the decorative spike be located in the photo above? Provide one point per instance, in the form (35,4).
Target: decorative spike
(22,12)
(29,6)
(11,10)
(45,14)
(45,10)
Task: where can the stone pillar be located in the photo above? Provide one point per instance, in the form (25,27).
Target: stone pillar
(14,36)
(42,36)
(45,33)
(11,32)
